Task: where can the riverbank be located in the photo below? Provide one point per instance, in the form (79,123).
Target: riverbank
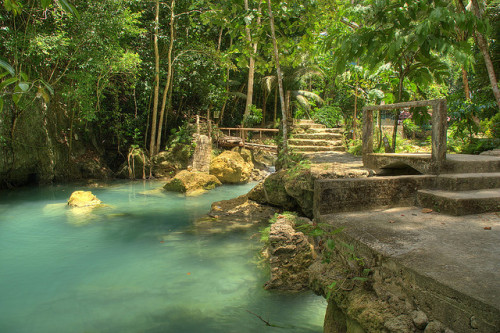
(420,261)
(394,270)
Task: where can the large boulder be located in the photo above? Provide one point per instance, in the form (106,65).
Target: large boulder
(230,167)
(192,182)
(83,199)
(272,191)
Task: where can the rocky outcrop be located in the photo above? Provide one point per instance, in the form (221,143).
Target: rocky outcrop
(234,214)
(83,199)
(231,168)
(272,191)
(162,165)
(192,183)
(290,255)
(293,189)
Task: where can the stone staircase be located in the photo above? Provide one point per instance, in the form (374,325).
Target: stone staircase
(309,137)
(472,191)
(463,193)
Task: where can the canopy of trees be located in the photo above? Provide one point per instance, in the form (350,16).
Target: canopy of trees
(125,73)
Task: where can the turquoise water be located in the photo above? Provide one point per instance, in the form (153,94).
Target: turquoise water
(135,266)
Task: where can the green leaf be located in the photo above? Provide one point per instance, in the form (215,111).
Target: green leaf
(1,104)
(330,244)
(45,3)
(5,65)
(357,278)
(8,82)
(69,8)
(24,86)
(16,97)
(48,86)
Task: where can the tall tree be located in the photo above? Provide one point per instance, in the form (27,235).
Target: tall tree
(284,121)
(482,43)
(154,114)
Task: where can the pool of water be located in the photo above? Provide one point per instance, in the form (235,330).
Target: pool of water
(135,266)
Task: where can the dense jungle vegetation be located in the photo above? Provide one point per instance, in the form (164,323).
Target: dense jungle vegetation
(116,74)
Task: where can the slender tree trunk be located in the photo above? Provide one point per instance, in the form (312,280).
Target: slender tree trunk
(275,104)
(169,75)
(219,121)
(264,107)
(355,112)
(465,81)
(396,113)
(251,65)
(157,81)
(280,79)
(482,43)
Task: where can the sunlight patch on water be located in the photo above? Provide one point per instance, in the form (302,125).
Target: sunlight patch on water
(134,266)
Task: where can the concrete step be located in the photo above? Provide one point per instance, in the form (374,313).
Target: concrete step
(309,142)
(318,136)
(326,130)
(316,148)
(310,126)
(463,163)
(460,202)
(468,181)
(303,121)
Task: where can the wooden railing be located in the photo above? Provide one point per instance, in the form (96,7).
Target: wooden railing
(242,131)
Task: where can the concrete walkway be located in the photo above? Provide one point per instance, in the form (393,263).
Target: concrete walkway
(454,261)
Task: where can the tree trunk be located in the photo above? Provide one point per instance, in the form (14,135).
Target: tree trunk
(264,107)
(396,113)
(280,79)
(482,43)
(169,75)
(219,121)
(157,81)
(251,68)
(465,81)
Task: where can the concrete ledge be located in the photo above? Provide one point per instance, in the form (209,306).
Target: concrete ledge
(462,202)
(447,266)
(468,181)
(352,194)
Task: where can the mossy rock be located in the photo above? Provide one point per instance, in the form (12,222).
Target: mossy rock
(231,168)
(272,191)
(83,199)
(189,182)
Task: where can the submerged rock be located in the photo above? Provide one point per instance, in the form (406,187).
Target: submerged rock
(290,255)
(230,167)
(192,182)
(83,199)
(234,214)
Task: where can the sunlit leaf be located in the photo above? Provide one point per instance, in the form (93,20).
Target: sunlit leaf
(24,86)
(69,8)
(5,65)
(45,3)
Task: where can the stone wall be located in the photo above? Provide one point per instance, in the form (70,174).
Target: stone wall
(341,195)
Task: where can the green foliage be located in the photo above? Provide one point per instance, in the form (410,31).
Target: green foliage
(493,127)
(254,117)
(465,117)
(355,147)
(182,135)
(328,115)
(409,128)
